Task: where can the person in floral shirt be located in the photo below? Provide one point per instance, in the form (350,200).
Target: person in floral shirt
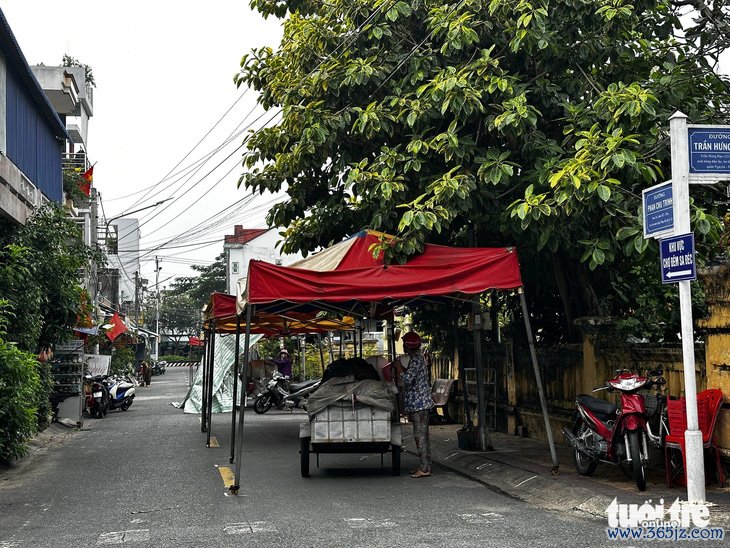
(417,400)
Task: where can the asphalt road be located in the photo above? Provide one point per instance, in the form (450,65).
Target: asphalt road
(145,477)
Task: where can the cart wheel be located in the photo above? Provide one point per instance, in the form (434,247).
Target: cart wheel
(304,451)
(395,452)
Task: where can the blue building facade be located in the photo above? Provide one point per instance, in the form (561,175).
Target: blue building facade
(32,136)
(32,144)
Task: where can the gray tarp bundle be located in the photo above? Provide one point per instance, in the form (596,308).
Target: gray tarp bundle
(225,355)
(374,393)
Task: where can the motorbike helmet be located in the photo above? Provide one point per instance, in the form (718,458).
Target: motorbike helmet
(412,340)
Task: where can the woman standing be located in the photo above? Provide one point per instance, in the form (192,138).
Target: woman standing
(417,400)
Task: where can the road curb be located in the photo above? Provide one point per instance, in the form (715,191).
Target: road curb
(525,485)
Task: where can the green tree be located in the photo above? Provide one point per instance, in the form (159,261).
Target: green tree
(180,317)
(210,279)
(520,122)
(39,276)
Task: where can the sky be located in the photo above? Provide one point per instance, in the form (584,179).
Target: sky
(168,118)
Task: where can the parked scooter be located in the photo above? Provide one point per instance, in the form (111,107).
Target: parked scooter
(603,432)
(159,368)
(277,394)
(97,396)
(121,393)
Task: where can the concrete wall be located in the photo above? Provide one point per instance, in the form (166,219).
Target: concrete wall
(567,371)
(716,280)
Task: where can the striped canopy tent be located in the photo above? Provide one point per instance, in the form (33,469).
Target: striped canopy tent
(347,279)
(220,315)
(220,366)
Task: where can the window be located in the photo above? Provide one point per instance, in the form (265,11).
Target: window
(234,267)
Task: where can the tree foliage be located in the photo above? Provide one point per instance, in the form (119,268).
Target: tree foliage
(527,123)
(20,386)
(40,264)
(179,316)
(210,278)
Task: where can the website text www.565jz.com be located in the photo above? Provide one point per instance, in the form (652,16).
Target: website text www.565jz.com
(665,533)
(679,521)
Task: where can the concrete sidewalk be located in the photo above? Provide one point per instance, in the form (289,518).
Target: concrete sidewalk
(521,468)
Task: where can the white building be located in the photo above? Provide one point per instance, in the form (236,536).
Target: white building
(125,261)
(252,243)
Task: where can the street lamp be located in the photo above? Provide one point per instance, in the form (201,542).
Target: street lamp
(108,222)
(106,226)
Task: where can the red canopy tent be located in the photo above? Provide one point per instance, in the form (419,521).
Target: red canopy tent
(347,279)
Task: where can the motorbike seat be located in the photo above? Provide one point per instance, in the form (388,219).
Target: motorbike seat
(600,407)
(296,387)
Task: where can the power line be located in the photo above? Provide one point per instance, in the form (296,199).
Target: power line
(194,146)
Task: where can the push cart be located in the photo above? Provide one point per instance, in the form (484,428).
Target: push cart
(351,426)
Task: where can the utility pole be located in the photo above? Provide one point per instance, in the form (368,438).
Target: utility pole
(136,303)
(157,307)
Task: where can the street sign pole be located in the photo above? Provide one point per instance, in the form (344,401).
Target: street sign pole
(695,466)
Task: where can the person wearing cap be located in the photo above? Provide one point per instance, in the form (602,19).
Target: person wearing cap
(417,400)
(283,363)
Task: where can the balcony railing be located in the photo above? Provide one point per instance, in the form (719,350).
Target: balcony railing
(75,160)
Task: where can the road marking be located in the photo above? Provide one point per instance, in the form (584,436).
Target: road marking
(528,479)
(479,519)
(451,455)
(483,465)
(214,442)
(119,537)
(253,527)
(9,543)
(367,523)
(227,474)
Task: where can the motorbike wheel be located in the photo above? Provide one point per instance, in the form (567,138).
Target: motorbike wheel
(262,404)
(584,465)
(304,451)
(637,466)
(125,406)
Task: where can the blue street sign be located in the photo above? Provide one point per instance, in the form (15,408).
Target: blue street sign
(678,258)
(709,149)
(658,207)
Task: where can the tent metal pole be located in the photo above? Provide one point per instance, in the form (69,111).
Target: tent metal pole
(237,480)
(321,351)
(462,373)
(204,384)
(341,333)
(235,388)
(485,443)
(362,334)
(538,378)
(329,344)
(211,370)
(391,340)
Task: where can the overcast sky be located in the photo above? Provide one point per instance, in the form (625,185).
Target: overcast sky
(164,77)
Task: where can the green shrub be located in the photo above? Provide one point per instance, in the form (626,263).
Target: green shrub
(45,387)
(122,360)
(20,387)
(174,358)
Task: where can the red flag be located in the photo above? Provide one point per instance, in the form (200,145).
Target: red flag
(117,329)
(85,182)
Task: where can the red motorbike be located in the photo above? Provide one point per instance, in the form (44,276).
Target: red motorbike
(603,432)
